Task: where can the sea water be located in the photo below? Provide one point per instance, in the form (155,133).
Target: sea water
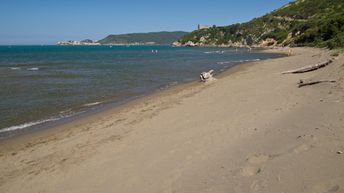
(41,84)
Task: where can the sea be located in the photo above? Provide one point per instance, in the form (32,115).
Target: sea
(41,85)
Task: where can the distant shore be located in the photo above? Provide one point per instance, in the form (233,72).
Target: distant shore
(251,130)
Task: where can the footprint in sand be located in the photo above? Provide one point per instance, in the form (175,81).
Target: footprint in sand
(307,137)
(327,188)
(254,164)
(333,189)
(248,171)
(301,148)
(259,158)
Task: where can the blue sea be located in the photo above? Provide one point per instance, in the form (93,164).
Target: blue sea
(44,84)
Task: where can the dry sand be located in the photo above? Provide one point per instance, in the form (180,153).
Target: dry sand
(252,130)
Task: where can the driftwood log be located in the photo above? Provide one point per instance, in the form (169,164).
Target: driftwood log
(207,76)
(301,83)
(308,68)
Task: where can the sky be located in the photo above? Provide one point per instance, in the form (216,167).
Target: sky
(49,21)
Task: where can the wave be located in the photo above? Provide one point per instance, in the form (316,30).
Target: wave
(33,69)
(62,114)
(225,62)
(33,123)
(238,61)
(15,68)
(215,52)
(66,111)
(25,125)
(92,104)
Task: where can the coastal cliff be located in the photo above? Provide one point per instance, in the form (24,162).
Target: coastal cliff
(317,23)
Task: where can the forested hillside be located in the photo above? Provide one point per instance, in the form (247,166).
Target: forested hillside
(300,23)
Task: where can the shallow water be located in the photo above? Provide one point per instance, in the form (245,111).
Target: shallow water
(42,84)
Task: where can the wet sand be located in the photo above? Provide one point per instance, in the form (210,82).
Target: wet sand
(251,130)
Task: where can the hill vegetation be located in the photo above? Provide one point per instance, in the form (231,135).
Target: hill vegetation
(300,23)
(144,38)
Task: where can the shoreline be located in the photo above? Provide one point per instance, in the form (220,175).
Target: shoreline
(56,122)
(252,130)
(54,128)
(63,125)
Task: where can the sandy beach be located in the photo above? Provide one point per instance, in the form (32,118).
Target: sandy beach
(251,130)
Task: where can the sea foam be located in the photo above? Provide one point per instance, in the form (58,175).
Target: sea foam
(239,61)
(33,69)
(215,52)
(92,104)
(33,123)
(25,125)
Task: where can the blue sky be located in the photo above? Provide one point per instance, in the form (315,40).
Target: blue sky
(49,21)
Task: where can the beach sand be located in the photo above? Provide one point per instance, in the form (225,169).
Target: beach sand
(251,130)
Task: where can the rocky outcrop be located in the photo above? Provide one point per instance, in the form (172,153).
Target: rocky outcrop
(190,44)
(86,42)
(176,44)
(268,42)
(187,44)
(245,42)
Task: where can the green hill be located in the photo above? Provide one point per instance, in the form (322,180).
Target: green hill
(299,23)
(143,38)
